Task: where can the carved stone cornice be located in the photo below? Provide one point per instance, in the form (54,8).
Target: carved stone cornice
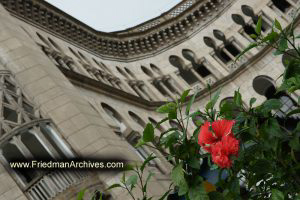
(175,26)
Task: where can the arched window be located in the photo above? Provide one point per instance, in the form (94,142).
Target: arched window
(45,42)
(147,71)
(265,86)
(137,119)
(129,72)
(55,44)
(221,55)
(74,53)
(238,19)
(248,11)
(186,74)
(199,67)
(122,72)
(116,117)
(155,69)
(35,146)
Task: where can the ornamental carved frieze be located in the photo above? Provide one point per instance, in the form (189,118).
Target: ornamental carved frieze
(151,37)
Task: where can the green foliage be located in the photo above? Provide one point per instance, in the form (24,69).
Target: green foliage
(148,134)
(268,154)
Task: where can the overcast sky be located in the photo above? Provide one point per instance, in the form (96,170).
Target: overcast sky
(113,15)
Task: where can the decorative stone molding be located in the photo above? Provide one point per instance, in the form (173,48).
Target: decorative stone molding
(183,20)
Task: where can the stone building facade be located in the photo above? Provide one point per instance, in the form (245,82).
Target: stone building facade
(68,90)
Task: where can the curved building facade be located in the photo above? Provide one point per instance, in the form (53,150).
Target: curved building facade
(70,91)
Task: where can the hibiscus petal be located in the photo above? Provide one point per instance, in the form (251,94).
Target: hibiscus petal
(205,135)
(222,127)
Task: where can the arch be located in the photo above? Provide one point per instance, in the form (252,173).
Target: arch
(238,19)
(147,71)
(46,42)
(189,55)
(55,44)
(82,56)
(34,145)
(186,74)
(129,72)
(155,69)
(199,68)
(137,119)
(263,85)
(122,72)
(74,53)
(176,62)
(115,116)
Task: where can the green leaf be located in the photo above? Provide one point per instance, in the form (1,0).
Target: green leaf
(213,100)
(261,167)
(183,188)
(277,25)
(184,95)
(116,185)
(253,36)
(293,112)
(258,26)
(292,69)
(271,104)
(283,44)
(197,192)
(165,195)
(171,106)
(188,107)
(215,196)
(131,181)
(140,143)
(277,52)
(294,143)
(252,101)
(81,194)
(271,37)
(194,163)
(148,159)
(148,134)
(172,114)
(248,48)
(147,180)
(277,195)
(237,98)
(177,174)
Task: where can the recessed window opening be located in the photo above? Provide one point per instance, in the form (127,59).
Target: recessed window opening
(11,153)
(223,56)
(10,114)
(232,49)
(282,5)
(35,146)
(160,89)
(186,74)
(202,70)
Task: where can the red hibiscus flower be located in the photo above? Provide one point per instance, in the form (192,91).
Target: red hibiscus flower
(223,150)
(217,138)
(211,133)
